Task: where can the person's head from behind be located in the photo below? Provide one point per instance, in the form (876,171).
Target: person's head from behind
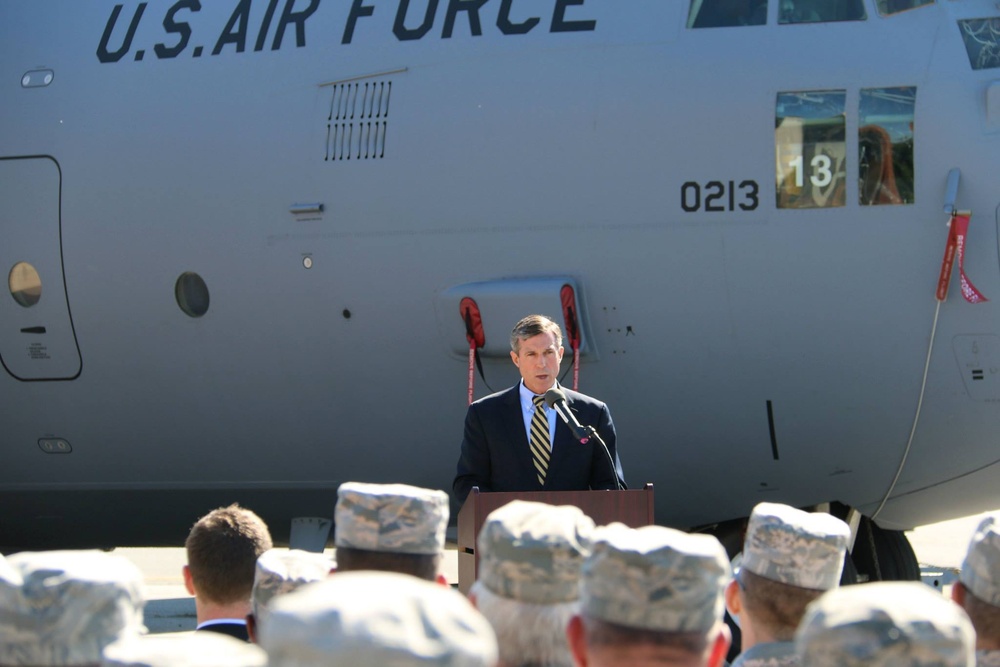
(279,572)
(651,596)
(530,556)
(790,558)
(61,608)
(885,624)
(978,587)
(222,551)
(183,649)
(390,528)
(376,619)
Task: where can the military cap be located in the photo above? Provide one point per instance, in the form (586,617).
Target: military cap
(395,518)
(655,578)
(64,607)
(188,649)
(281,571)
(376,619)
(793,547)
(532,552)
(981,568)
(885,624)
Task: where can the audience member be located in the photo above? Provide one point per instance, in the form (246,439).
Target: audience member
(61,608)
(978,590)
(651,596)
(392,528)
(194,649)
(279,572)
(790,558)
(530,555)
(222,551)
(885,624)
(376,619)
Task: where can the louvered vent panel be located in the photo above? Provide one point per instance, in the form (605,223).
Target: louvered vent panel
(358,120)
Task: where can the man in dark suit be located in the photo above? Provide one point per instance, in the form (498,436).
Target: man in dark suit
(499,452)
(222,551)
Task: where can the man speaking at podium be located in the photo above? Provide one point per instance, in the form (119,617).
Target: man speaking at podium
(515,441)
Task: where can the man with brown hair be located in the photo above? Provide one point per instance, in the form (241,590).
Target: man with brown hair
(222,551)
(514,442)
(790,558)
(391,528)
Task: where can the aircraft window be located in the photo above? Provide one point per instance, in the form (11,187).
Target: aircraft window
(885,146)
(810,149)
(192,294)
(25,284)
(982,42)
(726,13)
(821,11)
(890,7)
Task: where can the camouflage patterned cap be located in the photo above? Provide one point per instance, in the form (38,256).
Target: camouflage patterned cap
(655,578)
(375,619)
(281,571)
(793,547)
(981,568)
(394,518)
(67,606)
(187,649)
(885,624)
(532,552)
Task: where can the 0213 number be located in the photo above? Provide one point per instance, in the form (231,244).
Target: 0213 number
(720,196)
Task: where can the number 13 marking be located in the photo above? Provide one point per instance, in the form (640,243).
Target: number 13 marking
(822,168)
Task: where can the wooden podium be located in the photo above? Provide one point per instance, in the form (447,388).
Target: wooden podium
(633,508)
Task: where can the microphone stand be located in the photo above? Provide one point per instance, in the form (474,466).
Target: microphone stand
(592,433)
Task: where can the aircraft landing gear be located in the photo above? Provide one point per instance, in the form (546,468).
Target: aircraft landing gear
(883,555)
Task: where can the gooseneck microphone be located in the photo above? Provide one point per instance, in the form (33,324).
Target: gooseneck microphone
(555,398)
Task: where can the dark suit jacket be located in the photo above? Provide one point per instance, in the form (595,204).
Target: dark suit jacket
(238,630)
(495,454)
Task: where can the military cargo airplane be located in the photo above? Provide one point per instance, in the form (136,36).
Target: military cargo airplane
(254,249)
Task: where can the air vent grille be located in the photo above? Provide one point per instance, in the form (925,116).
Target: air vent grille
(358,119)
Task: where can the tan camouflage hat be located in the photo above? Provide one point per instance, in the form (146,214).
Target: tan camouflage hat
(885,624)
(793,547)
(532,552)
(981,568)
(183,649)
(281,571)
(64,607)
(655,578)
(395,518)
(376,619)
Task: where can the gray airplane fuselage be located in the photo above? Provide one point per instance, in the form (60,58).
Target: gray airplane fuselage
(253,224)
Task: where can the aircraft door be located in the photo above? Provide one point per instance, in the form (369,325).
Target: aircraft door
(37,341)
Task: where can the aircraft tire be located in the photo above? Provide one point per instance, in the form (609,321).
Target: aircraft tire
(883,555)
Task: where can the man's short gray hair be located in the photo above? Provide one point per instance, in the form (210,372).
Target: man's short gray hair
(531,326)
(527,633)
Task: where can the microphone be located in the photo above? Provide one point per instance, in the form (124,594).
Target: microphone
(555,398)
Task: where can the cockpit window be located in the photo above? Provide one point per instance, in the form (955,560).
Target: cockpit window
(982,42)
(821,11)
(885,146)
(890,7)
(726,13)
(810,149)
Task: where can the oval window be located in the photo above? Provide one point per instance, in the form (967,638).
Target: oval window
(192,294)
(25,284)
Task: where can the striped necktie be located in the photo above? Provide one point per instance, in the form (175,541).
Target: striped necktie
(539,441)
